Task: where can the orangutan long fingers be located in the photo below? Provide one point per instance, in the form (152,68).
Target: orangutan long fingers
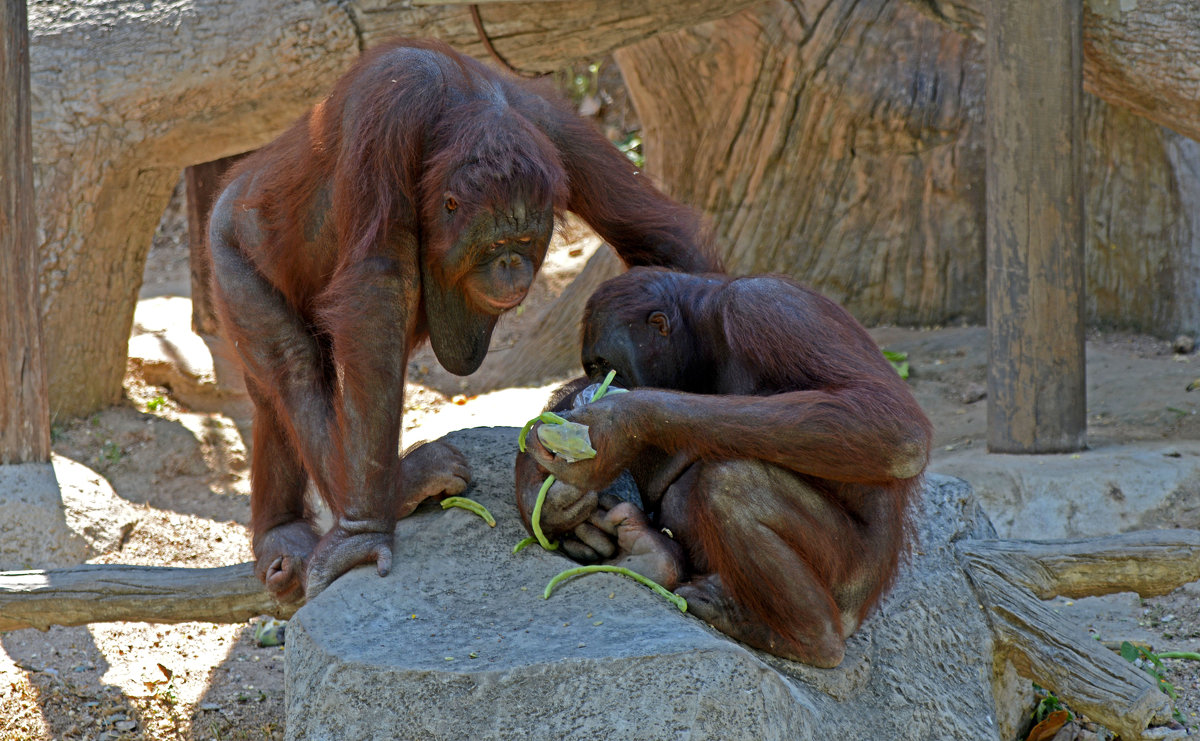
(607,501)
(624,514)
(579,551)
(565,507)
(596,538)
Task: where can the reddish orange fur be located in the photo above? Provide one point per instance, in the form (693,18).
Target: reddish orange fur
(762,368)
(334,237)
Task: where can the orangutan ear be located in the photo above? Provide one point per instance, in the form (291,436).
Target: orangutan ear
(659,321)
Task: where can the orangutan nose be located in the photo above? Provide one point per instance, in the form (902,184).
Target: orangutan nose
(510,260)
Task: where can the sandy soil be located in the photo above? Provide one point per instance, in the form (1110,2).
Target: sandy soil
(186,473)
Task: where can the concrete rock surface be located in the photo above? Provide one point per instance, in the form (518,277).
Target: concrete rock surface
(457,642)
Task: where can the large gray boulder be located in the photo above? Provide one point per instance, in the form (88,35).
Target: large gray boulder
(458,643)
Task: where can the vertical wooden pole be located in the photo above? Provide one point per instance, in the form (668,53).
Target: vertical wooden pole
(1036,393)
(202,182)
(24,402)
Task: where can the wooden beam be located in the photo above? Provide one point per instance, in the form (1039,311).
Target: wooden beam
(1036,394)
(24,401)
(1137,55)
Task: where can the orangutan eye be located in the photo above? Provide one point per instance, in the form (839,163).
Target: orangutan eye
(451,203)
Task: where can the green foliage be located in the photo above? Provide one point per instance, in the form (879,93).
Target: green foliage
(631,146)
(1047,704)
(1152,664)
(155,404)
(899,361)
(111,452)
(580,83)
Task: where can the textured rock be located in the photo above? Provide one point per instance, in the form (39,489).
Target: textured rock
(58,514)
(458,643)
(1109,489)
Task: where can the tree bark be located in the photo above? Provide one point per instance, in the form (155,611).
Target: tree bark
(1149,562)
(842,143)
(24,408)
(120,111)
(1036,394)
(538,37)
(1141,58)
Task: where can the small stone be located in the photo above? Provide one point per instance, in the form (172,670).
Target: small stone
(1183,344)
(973,392)
(126,726)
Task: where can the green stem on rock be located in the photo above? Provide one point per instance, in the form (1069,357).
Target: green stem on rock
(471,506)
(675,599)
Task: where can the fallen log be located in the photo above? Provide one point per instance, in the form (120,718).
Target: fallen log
(1012,577)
(98,593)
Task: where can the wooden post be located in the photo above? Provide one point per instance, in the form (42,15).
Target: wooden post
(1036,394)
(201,183)
(24,402)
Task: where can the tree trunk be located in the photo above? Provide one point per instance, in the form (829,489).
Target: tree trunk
(24,410)
(120,111)
(1139,55)
(1011,577)
(842,143)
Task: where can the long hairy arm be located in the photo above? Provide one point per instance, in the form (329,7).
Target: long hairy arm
(642,224)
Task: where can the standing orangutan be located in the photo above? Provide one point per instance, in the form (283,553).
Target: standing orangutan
(415,202)
(775,450)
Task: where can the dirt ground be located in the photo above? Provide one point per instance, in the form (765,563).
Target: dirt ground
(186,473)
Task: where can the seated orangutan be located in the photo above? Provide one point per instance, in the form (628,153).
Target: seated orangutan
(775,453)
